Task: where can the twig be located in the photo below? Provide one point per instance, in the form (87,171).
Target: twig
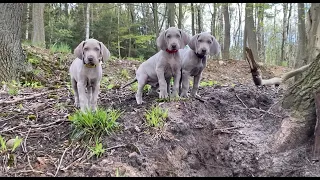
(114,147)
(200,99)
(243,103)
(30,97)
(261,110)
(33,126)
(25,141)
(61,160)
(225,130)
(79,159)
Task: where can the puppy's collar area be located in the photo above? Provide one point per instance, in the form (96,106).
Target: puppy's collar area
(171,51)
(90,66)
(200,55)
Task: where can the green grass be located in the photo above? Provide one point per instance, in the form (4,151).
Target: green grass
(134,87)
(63,48)
(125,74)
(93,124)
(208,83)
(156,116)
(97,150)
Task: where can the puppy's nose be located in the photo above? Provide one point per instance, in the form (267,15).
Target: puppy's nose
(204,50)
(174,46)
(90,59)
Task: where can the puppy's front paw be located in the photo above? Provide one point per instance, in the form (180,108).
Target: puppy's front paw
(76,104)
(174,95)
(184,95)
(163,95)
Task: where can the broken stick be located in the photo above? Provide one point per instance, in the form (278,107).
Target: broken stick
(257,77)
(30,97)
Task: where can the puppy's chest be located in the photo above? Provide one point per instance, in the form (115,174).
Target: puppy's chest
(172,68)
(197,69)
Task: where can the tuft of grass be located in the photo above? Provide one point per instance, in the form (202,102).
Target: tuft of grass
(97,150)
(94,123)
(63,48)
(208,83)
(125,74)
(156,116)
(134,87)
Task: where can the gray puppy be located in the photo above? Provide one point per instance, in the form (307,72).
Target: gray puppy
(161,67)
(194,60)
(86,73)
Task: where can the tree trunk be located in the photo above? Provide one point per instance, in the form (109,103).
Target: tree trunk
(226,44)
(313,31)
(213,21)
(155,18)
(180,16)
(38,35)
(88,21)
(251,35)
(299,98)
(199,19)
(284,33)
(192,19)
(27,21)
(302,38)
(260,34)
(66,10)
(119,47)
(171,14)
(12,58)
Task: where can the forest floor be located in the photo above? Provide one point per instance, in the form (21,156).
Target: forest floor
(228,133)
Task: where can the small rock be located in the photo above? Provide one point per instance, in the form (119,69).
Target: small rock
(221,63)
(134,154)
(137,129)
(10,143)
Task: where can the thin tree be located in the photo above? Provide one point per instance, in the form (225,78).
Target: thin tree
(38,33)
(249,29)
(226,44)
(27,21)
(88,21)
(171,14)
(302,38)
(180,16)
(12,58)
(192,20)
(284,32)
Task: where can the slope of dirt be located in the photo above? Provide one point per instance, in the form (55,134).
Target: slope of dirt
(227,134)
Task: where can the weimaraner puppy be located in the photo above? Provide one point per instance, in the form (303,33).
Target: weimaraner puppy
(86,73)
(161,67)
(194,60)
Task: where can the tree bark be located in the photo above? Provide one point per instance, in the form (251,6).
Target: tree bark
(226,44)
(88,21)
(12,58)
(200,28)
(251,35)
(192,19)
(27,21)
(213,21)
(66,13)
(299,98)
(180,16)
(313,31)
(284,32)
(302,38)
(260,31)
(171,14)
(38,34)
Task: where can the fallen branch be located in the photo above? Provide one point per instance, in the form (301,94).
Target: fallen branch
(243,103)
(64,152)
(225,130)
(257,76)
(30,97)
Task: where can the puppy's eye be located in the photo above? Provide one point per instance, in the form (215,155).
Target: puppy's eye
(96,49)
(169,36)
(178,36)
(209,42)
(85,49)
(200,40)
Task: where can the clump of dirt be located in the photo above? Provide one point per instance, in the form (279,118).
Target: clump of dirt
(227,133)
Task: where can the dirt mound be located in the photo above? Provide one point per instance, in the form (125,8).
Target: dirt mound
(227,134)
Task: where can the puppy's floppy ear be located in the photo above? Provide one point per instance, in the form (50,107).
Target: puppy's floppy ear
(161,43)
(185,38)
(214,46)
(78,51)
(105,53)
(193,41)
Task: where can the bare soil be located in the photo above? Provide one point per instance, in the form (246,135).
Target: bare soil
(227,134)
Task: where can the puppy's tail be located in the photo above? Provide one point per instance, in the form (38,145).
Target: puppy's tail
(133,81)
